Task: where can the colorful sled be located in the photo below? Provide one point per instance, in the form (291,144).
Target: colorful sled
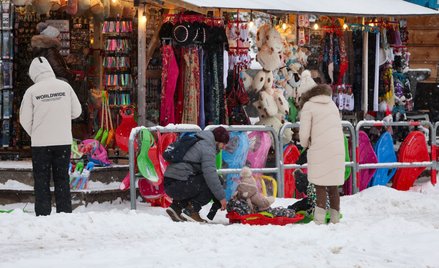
(413,149)
(261,219)
(154,193)
(144,159)
(366,156)
(291,155)
(124,129)
(348,170)
(234,156)
(260,143)
(385,154)
(259,146)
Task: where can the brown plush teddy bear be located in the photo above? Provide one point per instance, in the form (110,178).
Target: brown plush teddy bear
(248,191)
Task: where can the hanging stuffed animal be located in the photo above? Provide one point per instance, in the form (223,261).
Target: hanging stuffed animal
(56,4)
(106,8)
(96,7)
(42,7)
(116,9)
(72,7)
(21,2)
(83,6)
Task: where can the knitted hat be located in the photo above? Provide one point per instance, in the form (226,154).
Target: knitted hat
(306,82)
(50,31)
(221,135)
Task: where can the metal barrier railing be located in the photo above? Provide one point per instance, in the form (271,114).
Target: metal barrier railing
(254,128)
(283,167)
(131,151)
(278,146)
(431,164)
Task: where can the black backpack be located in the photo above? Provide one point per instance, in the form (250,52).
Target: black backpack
(175,152)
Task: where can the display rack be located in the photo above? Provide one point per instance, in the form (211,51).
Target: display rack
(117,59)
(6,74)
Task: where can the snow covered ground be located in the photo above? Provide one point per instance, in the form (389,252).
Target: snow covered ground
(381,227)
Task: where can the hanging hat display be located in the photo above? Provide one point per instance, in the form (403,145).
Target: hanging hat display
(56,4)
(42,7)
(96,7)
(72,7)
(116,8)
(184,33)
(166,30)
(83,6)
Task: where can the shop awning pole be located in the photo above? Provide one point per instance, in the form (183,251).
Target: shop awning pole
(141,68)
(365,70)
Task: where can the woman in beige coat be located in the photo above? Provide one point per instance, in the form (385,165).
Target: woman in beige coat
(321,132)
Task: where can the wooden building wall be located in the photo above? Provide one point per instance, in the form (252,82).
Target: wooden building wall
(423,43)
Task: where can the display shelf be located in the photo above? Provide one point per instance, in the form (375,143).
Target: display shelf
(6,73)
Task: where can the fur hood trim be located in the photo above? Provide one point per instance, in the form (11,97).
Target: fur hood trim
(318,90)
(42,41)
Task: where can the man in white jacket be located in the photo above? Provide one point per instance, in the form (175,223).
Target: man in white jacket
(46,114)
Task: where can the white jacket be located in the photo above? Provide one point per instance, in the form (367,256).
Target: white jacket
(48,107)
(321,131)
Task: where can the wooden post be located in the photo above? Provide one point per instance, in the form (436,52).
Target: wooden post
(365,70)
(141,69)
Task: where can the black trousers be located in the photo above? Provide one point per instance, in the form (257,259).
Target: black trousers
(194,190)
(47,162)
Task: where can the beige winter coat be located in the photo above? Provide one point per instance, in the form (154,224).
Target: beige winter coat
(321,131)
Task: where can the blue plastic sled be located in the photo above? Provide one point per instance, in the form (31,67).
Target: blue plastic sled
(386,154)
(234,156)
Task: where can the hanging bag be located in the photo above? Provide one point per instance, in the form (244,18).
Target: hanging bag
(236,98)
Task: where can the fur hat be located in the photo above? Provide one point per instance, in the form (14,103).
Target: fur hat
(247,80)
(261,35)
(274,122)
(221,135)
(56,4)
(306,83)
(258,81)
(274,40)
(269,80)
(72,7)
(267,103)
(96,7)
(281,102)
(42,6)
(116,9)
(269,59)
(83,6)
(20,2)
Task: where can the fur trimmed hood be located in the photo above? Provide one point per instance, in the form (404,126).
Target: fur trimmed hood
(318,90)
(42,41)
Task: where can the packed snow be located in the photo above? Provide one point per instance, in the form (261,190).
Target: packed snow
(381,227)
